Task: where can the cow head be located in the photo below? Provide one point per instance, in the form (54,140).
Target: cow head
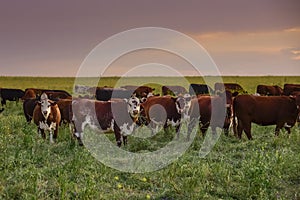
(133,106)
(46,104)
(183,103)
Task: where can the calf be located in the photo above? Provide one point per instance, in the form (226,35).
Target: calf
(214,111)
(46,116)
(164,111)
(281,111)
(119,116)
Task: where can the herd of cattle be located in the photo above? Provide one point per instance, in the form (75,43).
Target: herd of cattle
(124,109)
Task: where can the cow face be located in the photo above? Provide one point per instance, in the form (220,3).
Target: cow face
(183,103)
(45,105)
(133,106)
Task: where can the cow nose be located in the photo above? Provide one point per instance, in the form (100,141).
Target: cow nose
(135,112)
(45,112)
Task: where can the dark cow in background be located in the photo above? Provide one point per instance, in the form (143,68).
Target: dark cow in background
(140,91)
(234,88)
(164,111)
(214,111)
(29,94)
(268,90)
(46,116)
(28,107)
(106,93)
(288,89)
(198,89)
(173,90)
(52,94)
(119,116)
(281,111)
(10,95)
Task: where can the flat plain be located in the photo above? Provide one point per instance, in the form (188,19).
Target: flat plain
(267,167)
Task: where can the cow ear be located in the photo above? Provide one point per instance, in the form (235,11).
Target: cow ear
(53,103)
(235,94)
(125,100)
(174,99)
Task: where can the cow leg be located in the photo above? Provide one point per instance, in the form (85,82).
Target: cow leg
(42,132)
(117,132)
(204,128)
(247,129)
(55,132)
(191,126)
(226,131)
(278,127)
(214,131)
(177,131)
(239,129)
(51,136)
(3,102)
(234,126)
(288,129)
(124,140)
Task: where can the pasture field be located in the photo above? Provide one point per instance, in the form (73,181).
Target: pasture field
(31,168)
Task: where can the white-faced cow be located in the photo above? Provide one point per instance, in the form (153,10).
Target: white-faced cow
(117,115)
(163,111)
(281,111)
(46,116)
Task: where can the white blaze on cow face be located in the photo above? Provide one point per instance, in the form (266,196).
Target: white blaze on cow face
(183,104)
(133,106)
(45,105)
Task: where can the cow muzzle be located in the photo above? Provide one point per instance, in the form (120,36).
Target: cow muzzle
(135,112)
(45,113)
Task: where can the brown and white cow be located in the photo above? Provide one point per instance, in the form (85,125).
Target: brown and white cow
(118,115)
(164,111)
(214,111)
(46,116)
(281,111)
(269,90)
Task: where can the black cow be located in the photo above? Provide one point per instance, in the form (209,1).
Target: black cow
(198,89)
(106,93)
(10,95)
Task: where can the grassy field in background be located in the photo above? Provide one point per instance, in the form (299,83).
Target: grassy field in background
(249,83)
(266,168)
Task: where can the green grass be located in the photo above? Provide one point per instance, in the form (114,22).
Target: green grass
(31,168)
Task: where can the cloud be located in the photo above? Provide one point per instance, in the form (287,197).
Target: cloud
(254,53)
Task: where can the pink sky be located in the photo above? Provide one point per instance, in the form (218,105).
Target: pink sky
(52,38)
